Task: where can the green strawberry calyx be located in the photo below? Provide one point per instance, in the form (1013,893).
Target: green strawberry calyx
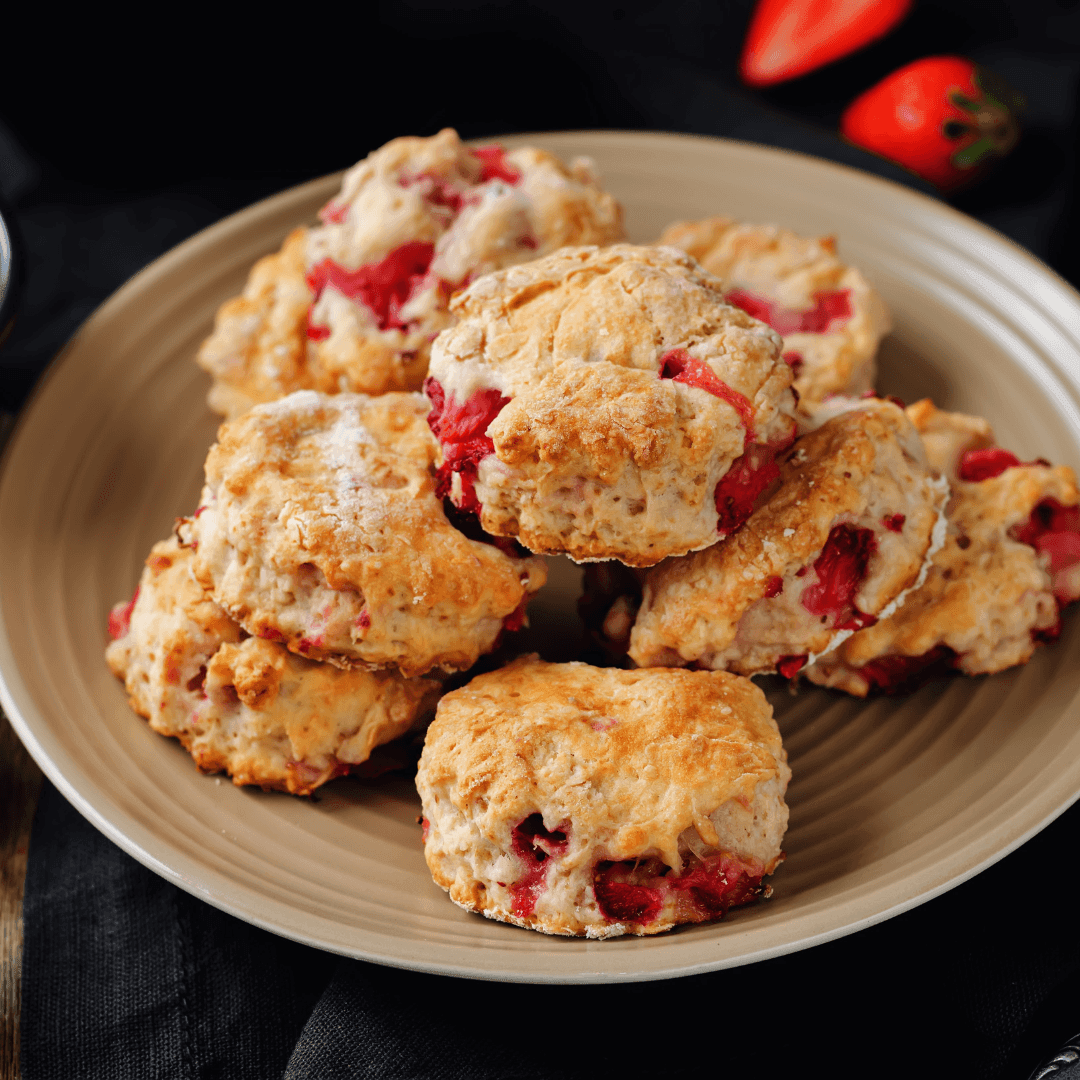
(992,121)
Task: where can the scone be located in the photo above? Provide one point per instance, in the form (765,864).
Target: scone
(608,404)
(319,527)
(1010,562)
(829,316)
(597,802)
(850,531)
(243,705)
(354,303)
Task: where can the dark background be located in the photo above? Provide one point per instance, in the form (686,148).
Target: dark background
(118,141)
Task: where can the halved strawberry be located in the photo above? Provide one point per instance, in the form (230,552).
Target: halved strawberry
(788,38)
(943,117)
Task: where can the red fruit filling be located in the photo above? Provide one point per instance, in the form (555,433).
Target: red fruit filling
(333,213)
(873,394)
(985,464)
(305,776)
(635,892)
(892,674)
(494,166)
(437,191)
(120,618)
(790,666)
(363,620)
(841,568)
(383,287)
(516,619)
(679,366)
(425,827)
(894,522)
(534,845)
(1054,530)
(620,899)
(794,361)
(830,311)
(743,484)
(774,586)
(461,430)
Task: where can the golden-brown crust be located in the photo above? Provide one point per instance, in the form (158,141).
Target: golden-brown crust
(781,266)
(320,527)
(260,349)
(986,594)
(597,455)
(859,467)
(245,706)
(664,771)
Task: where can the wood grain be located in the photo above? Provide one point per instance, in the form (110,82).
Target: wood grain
(20,783)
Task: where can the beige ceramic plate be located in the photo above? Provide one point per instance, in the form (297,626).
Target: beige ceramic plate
(892,802)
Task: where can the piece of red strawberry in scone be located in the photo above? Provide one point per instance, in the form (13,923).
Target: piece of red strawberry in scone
(847,535)
(1010,562)
(596,802)
(607,403)
(355,302)
(244,705)
(830,317)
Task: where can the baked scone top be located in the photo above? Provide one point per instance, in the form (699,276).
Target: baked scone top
(830,317)
(637,756)
(619,309)
(354,302)
(320,527)
(864,468)
(617,390)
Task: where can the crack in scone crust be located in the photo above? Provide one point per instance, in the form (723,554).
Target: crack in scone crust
(243,705)
(319,527)
(631,388)
(538,778)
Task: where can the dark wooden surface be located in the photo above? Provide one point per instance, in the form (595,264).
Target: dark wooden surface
(20,782)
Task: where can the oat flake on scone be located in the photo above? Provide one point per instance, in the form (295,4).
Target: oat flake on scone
(354,303)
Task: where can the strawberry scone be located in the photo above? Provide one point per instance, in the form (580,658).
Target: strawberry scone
(354,303)
(830,318)
(319,527)
(606,403)
(848,534)
(597,802)
(1010,562)
(242,705)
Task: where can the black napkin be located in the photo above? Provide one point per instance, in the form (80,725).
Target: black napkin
(127,976)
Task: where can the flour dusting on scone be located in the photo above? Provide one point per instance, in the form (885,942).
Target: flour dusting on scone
(597,802)
(830,318)
(242,705)
(848,534)
(354,303)
(608,404)
(1010,562)
(319,527)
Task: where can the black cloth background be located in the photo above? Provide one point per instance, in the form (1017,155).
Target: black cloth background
(112,151)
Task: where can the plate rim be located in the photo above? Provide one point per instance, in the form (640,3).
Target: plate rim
(9,695)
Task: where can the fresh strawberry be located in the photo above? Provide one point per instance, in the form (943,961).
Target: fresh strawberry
(943,117)
(788,38)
